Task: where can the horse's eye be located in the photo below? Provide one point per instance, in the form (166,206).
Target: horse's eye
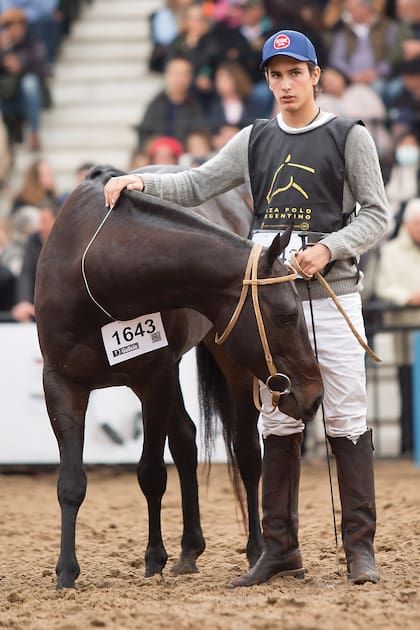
(287,319)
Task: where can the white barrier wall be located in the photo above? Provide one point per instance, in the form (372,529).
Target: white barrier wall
(26,436)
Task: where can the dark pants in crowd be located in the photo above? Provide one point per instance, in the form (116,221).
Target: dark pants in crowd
(406,392)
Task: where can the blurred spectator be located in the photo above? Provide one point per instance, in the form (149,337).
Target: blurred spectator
(233,102)
(69,11)
(332,11)
(79,175)
(223,135)
(356,100)
(43,21)
(164,150)
(197,42)
(404,180)
(175,111)
(277,9)
(5,156)
(405,106)
(233,44)
(408,11)
(4,233)
(138,158)
(6,276)
(367,46)
(398,282)
(22,71)
(198,149)
(256,26)
(164,27)
(23,223)
(331,15)
(23,310)
(38,184)
(228,11)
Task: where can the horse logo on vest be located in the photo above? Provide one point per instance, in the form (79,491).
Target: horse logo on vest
(282,180)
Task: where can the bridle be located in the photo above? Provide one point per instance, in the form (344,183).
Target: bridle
(251,279)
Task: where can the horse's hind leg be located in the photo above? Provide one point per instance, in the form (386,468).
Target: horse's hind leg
(151,470)
(182,444)
(66,404)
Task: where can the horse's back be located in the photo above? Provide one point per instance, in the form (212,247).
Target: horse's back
(231,210)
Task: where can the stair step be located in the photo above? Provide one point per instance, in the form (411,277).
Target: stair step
(87,52)
(122,8)
(111,30)
(105,137)
(99,71)
(66,160)
(84,115)
(90,92)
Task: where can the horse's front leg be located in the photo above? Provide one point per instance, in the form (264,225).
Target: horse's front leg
(182,444)
(66,404)
(240,419)
(151,470)
(246,444)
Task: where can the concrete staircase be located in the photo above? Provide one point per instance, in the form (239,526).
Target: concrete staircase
(100,88)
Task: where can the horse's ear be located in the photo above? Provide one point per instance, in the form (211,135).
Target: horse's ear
(278,245)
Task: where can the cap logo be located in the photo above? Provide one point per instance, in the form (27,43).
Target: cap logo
(282,41)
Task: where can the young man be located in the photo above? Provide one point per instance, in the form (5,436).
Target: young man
(311,168)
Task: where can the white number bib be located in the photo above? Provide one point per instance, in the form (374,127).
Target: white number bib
(124,340)
(266,237)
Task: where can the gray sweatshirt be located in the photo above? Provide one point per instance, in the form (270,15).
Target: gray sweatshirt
(363,186)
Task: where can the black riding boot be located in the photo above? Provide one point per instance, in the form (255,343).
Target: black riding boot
(280,487)
(357,494)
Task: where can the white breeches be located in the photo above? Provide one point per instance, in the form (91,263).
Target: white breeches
(342,365)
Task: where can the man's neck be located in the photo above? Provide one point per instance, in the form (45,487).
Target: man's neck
(301,119)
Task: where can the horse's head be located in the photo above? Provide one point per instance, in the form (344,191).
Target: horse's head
(280,351)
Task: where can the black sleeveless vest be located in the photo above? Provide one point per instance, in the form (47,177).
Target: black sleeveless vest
(298,178)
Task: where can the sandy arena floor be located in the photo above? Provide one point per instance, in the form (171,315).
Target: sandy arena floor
(111,538)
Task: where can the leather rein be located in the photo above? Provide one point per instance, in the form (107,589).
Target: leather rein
(251,279)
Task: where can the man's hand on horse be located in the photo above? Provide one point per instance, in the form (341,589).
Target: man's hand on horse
(314,258)
(115,185)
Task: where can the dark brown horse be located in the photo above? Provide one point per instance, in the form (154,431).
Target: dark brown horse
(147,256)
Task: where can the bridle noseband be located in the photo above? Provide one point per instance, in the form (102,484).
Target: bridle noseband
(251,279)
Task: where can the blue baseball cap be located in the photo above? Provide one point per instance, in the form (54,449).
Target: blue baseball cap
(290,44)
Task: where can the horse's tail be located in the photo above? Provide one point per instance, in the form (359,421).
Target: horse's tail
(216,406)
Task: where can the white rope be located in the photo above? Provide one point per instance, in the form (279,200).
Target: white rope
(83,265)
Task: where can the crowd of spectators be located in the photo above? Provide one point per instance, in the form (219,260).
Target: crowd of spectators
(31,32)
(30,35)
(208,54)
(369,51)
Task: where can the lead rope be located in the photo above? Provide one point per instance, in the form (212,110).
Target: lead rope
(325,433)
(294,263)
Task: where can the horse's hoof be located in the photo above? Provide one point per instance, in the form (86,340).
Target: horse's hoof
(64,583)
(153,570)
(185,566)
